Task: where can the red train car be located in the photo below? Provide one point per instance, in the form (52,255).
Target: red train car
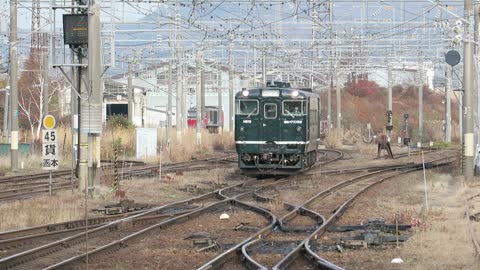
(213,119)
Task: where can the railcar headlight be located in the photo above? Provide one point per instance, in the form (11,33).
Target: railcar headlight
(299,128)
(245,93)
(242,129)
(295,93)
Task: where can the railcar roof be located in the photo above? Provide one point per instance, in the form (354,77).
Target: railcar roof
(284,92)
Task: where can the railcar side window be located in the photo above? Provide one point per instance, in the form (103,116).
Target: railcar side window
(247,107)
(270,110)
(294,107)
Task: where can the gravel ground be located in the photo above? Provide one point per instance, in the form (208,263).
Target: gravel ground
(439,239)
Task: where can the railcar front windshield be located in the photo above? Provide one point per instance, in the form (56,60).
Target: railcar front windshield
(247,107)
(294,107)
(192,113)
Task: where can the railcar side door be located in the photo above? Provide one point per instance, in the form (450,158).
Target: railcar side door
(270,128)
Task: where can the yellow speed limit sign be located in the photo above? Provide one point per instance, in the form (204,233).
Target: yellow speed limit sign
(49,122)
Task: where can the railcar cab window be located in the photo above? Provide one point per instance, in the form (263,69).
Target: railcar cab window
(270,111)
(247,107)
(294,107)
(191,113)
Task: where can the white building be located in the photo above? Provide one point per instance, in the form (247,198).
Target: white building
(151,92)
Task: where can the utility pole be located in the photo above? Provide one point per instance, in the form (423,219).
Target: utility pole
(178,97)
(448,105)
(169,102)
(203,94)
(329,100)
(130,91)
(199,96)
(468,82)
(420,97)
(45,82)
(339,107)
(390,106)
(91,109)
(5,116)
(219,95)
(264,67)
(13,86)
(332,67)
(230,87)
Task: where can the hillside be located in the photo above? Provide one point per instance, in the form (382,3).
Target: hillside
(365,102)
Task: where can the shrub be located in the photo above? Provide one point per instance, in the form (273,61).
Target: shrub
(119,121)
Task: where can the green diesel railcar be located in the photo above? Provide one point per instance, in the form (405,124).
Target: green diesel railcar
(277,130)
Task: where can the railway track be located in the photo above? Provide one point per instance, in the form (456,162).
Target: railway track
(57,250)
(26,186)
(59,253)
(471,230)
(304,254)
(24,247)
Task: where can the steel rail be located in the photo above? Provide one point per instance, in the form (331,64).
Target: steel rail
(36,188)
(249,262)
(124,241)
(473,235)
(34,253)
(301,209)
(304,248)
(31,254)
(338,152)
(42,189)
(15,242)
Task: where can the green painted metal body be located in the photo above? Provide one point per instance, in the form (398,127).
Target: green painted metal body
(271,137)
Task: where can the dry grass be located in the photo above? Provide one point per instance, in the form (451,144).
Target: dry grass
(333,139)
(441,241)
(62,207)
(65,205)
(183,148)
(30,163)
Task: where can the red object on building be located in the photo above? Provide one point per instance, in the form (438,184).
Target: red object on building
(213,119)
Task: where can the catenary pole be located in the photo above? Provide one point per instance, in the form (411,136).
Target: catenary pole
(198,92)
(448,105)
(230,87)
(468,82)
(13,86)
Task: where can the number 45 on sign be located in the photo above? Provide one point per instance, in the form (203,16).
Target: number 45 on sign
(50,160)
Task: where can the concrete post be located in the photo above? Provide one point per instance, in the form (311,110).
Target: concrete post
(95,92)
(199,96)
(230,88)
(339,107)
(219,95)
(390,99)
(468,82)
(169,102)
(202,89)
(5,116)
(448,105)
(45,83)
(130,92)
(178,97)
(420,98)
(13,87)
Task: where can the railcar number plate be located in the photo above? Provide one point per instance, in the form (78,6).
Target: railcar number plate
(292,121)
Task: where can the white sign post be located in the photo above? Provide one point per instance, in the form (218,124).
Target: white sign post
(50,157)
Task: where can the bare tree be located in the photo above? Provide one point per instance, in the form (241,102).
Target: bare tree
(31,88)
